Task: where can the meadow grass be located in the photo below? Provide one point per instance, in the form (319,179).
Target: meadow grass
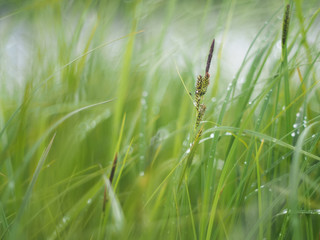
(103,134)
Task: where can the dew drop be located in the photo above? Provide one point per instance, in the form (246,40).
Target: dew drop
(143,101)
(65,219)
(11,185)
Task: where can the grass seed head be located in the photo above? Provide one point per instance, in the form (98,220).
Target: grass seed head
(209,58)
(285,26)
(201,88)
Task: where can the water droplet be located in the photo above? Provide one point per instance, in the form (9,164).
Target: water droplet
(313,136)
(65,219)
(298,115)
(213,99)
(293,134)
(89,201)
(295,125)
(212,135)
(250,103)
(228,134)
(284,107)
(11,184)
(141,174)
(144,93)
(143,101)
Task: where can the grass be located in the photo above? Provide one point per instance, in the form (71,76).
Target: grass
(102,135)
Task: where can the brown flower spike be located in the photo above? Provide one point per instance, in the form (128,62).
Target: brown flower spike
(201,88)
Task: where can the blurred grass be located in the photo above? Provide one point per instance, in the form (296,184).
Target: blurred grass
(103,78)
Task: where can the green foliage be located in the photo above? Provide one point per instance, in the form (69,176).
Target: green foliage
(99,138)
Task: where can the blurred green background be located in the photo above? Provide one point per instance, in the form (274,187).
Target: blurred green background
(85,81)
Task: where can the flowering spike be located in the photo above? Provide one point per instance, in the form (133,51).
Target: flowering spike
(209,58)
